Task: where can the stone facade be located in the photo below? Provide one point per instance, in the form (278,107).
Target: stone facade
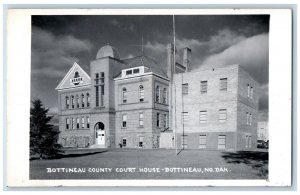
(223,111)
(126,104)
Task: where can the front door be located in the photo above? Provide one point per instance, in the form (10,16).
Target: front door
(100,137)
(99,134)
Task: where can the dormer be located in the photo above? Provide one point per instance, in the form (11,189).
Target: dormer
(132,72)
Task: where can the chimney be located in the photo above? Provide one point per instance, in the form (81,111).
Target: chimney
(170,60)
(187,58)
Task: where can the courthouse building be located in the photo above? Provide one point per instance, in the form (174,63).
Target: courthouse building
(125,103)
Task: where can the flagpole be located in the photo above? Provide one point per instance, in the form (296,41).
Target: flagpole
(172,72)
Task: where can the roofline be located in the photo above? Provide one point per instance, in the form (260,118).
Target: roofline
(69,72)
(75,87)
(145,74)
(119,60)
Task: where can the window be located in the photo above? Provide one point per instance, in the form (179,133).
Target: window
(248,141)
(221,141)
(165,121)
(73,123)
(158,120)
(142,93)
(72,101)
(67,123)
(102,95)
(128,72)
(203,87)
(223,84)
(157,93)
(141,119)
(124,95)
(251,92)
(222,115)
(249,118)
(185,88)
(77,123)
(99,88)
(67,102)
(202,141)
(165,96)
(203,116)
(77,101)
(185,118)
(248,89)
(88,122)
(124,142)
(136,71)
(82,122)
(97,95)
(88,100)
(124,119)
(82,100)
(141,140)
(102,78)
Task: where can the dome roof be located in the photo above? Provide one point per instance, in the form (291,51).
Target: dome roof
(106,51)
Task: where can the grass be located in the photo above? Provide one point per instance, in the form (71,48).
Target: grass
(240,165)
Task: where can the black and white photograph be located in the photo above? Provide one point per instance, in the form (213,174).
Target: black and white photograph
(152,96)
(149,97)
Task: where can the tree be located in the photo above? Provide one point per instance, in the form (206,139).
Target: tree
(43,137)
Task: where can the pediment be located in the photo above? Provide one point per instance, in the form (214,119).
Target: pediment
(76,77)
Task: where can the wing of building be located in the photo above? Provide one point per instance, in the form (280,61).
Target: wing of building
(125,103)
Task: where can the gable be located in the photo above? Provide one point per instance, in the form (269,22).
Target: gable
(76,77)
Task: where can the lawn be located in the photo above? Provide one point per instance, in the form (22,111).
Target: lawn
(152,164)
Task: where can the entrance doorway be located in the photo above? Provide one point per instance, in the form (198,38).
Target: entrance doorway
(99,134)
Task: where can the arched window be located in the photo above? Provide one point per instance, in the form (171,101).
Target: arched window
(72,101)
(165,96)
(77,101)
(67,123)
(87,122)
(87,100)
(82,100)
(142,93)
(124,95)
(77,123)
(67,102)
(157,95)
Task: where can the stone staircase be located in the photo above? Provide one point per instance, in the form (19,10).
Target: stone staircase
(97,146)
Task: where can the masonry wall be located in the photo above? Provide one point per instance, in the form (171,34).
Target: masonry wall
(192,141)
(133,107)
(247,104)
(77,137)
(211,102)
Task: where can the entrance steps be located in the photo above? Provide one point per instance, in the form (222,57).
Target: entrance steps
(97,146)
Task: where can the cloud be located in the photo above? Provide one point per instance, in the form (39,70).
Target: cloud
(251,53)
(51,53)
(264,97)
(263,115)
(223,39)
(191,43)
(156,47)
(116,23)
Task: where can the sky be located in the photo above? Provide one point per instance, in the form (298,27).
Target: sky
(218,40)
